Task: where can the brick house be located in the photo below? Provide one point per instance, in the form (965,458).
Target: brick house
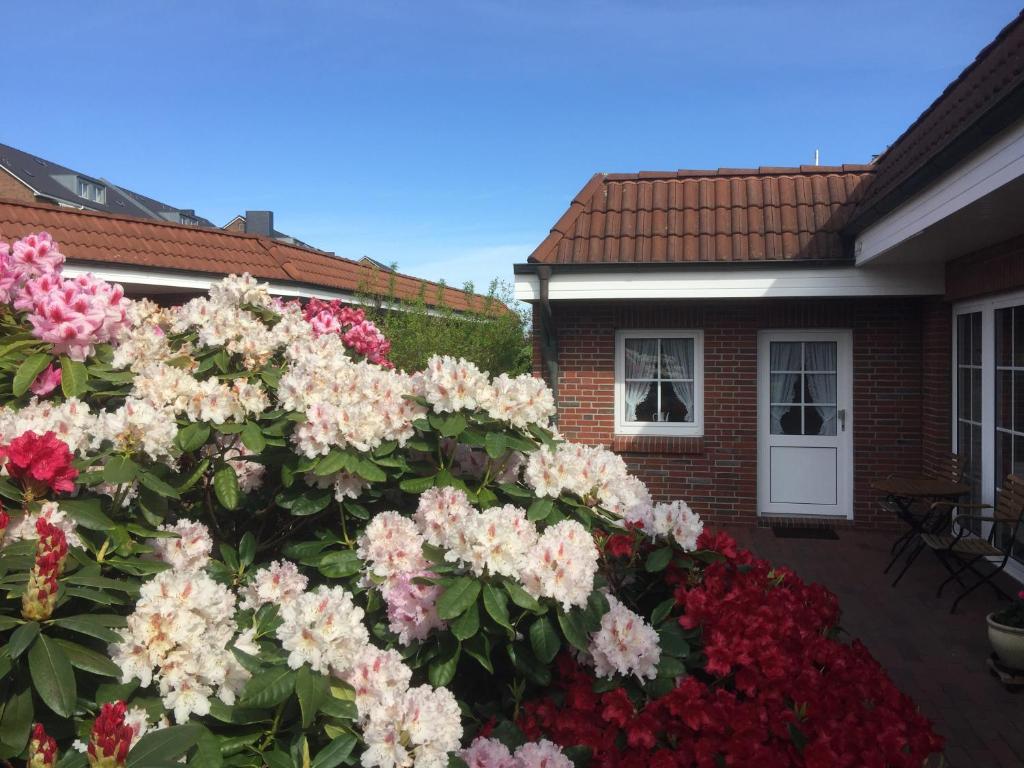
(765,342)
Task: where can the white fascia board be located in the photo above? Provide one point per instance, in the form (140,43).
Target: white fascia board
(738,283)
(140,278)
(998,163)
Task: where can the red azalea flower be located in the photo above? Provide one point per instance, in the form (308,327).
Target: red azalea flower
(40,463)
(110,738)
(42,749)
(619,545)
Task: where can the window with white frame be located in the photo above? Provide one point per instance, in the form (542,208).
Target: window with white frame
(90,190)
(659,382)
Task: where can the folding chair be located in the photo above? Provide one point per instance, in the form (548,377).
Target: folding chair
(962,552)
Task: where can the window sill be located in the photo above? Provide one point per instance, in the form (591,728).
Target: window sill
(658,444)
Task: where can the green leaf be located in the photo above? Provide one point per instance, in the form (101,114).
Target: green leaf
(417,485)
(225,486)
(479,648)
(93,625)
(31,367)
(662,610)
(658,560)
(156,485)
(539,510)
(22,638)
(252,437)
(88,513)
(335,461)
(312,690)
(672,641)
(192,437)
(370,472)
(442,669)
(302,501)
(335,753)
(89,660)
(496,603)
(457,597)
(9,491)
(193,477)
(158,749)
(74,377)
(544,640)
(268,688)
(467,624)
(522,598)
(16,718)
(340,564)
(574,628)
(247,548)
(278,758)
(448,425)
(119,470)
(495,445)
(52,676)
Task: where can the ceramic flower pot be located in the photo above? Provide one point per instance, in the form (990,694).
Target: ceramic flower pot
(1007,642)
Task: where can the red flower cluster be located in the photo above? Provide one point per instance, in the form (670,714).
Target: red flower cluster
(42,749)
(5,520)
(111,737)
(777,690)
(40,463)
(40,595)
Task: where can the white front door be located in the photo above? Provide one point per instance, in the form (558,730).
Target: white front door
(805,423)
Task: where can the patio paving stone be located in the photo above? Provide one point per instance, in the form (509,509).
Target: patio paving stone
(937,658)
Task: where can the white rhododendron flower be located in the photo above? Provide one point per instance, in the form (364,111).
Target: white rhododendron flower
(625,644)
(441,511)
(454,385)
(180,636)
(138,426)
(493,541)
(392,545)
(72,421)
(278,583)
(322,628)
(595,474)
(190,551)
(25,527)
(562,565)
(674,520)
(521,401)
(417,730)
(491,753)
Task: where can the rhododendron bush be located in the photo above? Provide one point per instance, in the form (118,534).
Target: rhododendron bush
(235,535)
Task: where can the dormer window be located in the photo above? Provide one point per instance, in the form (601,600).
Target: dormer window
(91,190)
(184,218)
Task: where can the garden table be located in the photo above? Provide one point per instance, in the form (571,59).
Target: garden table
(904,491)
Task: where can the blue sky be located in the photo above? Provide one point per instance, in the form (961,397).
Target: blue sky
(449,136)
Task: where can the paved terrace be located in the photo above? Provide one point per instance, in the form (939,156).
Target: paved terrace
(937,658)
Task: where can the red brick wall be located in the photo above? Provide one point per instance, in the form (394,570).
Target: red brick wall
(991,270)
(717,474)
(936,384)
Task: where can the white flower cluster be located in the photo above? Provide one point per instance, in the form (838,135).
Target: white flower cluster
(402,727)
(595,474)
(138,426)
(181,634)
(675,520)
(393,547)
(559,563)
(25,527)
(322,628)
(278,583)
(625,644)
(491,753)
(346,403)
(209,400)
(189,551)
(143,342)
(72,421)
(450,384)
(345,484)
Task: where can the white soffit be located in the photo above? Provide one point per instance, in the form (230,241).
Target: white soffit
(738,282)
(998,163)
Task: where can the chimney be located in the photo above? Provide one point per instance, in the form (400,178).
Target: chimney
(259,223)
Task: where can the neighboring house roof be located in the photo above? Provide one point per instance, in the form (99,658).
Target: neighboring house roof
(52,181)
(984,99)
(238,224)
(104,239)
(728,215)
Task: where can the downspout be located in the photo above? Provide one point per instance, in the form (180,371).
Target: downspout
(548,333)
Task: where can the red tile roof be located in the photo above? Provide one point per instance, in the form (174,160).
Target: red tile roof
(101,238)
(728,215)
(984,99)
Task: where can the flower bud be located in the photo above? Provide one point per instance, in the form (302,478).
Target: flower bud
(111,737)
(42,749)
(40,597)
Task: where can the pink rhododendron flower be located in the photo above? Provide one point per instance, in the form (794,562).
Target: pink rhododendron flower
(47,381)
(31,257)
(356,332)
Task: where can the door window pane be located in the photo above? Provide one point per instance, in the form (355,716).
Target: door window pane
(968,406)
(803,383)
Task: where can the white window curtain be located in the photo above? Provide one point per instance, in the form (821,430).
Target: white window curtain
(677,363)
(785,356)
(641,363)
(821,356)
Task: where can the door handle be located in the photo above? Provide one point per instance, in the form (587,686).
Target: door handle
(842,418)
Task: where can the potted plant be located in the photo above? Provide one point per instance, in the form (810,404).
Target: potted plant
(1006,633)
